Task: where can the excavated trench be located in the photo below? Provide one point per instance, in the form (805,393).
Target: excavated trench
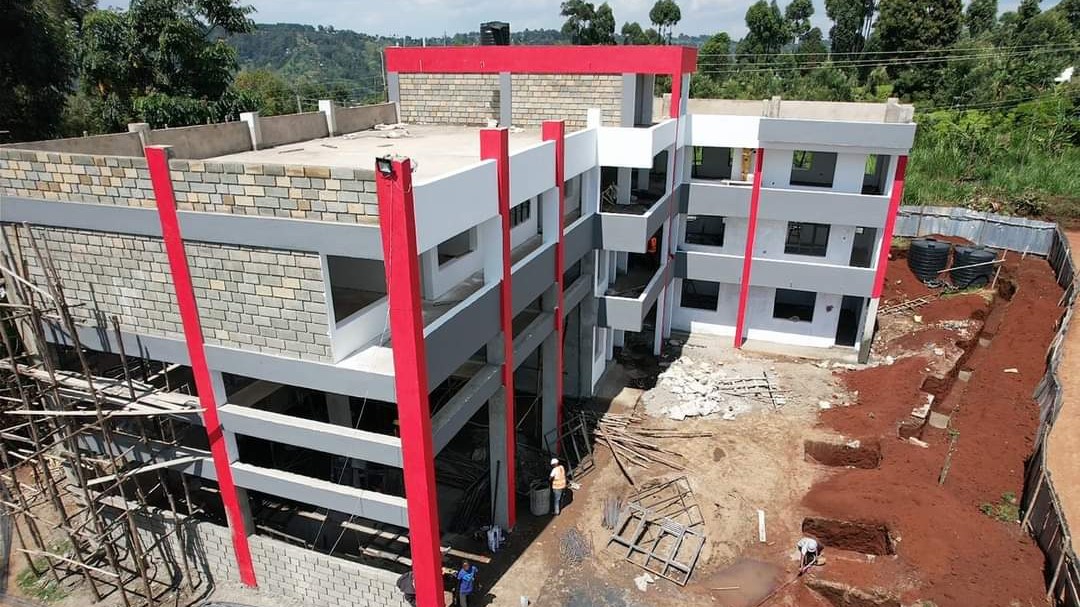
(852,455)
(867,538)
(842,595)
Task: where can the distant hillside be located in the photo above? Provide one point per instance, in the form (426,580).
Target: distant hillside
(329,56)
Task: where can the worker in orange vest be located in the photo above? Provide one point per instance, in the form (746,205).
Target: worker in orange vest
(558,482)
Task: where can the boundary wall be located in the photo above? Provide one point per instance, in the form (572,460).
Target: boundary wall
(1043,516)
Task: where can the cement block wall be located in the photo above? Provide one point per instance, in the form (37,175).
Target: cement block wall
(540,97)
(471,99)
(204,141)
(290,128)
(304,577)
(249,298)
(299,192)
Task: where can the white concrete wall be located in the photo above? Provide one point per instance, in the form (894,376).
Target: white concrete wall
(717,322)
(820,333)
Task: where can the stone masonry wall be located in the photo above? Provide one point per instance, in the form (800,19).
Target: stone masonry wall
(471,99)
(298,192)
(249,298)
(540,97)
(304,578)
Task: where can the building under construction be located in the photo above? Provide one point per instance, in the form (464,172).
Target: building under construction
(303,352)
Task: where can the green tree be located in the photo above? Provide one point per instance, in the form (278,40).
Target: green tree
(980,16)
(36,69)
(851,24)
(587,24)
(798,14)
(271,92)
(1027,11)
(768,32)
(811,49)
(714,57)
(665,14)
(917,25)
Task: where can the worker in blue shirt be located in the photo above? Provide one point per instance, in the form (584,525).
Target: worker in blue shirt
(466,577)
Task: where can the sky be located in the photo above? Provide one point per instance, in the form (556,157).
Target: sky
(436,17)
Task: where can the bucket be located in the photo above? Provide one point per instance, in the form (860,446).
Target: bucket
(539,498)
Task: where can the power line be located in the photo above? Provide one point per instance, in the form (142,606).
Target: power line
(860,53)
(1005,103)
(870,63)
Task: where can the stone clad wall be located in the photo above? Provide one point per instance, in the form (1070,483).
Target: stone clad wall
(298,192)
(249,298)
(470,99)
(540,97)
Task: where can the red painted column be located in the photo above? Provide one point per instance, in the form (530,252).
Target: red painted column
(555,130)
(397,223)
(676,94)
(495,145)
(748,254)
(157,159)
(890,225)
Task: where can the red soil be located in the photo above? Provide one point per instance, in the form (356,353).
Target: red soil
(957,555)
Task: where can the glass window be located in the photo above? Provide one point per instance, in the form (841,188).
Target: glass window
(807,239)
(700,294)
(705,229)
(521,213)
(794,305)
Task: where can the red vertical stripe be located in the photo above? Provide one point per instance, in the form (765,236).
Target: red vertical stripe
(495,145)
(890,225)
(676,94)
(157,159)
(397,223)
(555,130)
(748,254)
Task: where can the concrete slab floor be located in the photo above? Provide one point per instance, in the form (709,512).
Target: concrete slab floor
(435,149)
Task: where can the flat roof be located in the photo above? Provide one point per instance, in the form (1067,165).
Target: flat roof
(434,149)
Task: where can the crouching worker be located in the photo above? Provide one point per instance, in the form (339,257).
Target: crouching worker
(809,549)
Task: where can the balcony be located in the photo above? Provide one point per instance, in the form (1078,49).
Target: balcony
(632,146)
(629,227)
(630,298)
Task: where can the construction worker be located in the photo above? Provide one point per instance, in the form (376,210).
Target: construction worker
(466,578)
(809,549)
(558,482)
(407,587)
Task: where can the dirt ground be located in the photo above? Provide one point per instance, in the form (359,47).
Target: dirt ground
(1063,450)
(754,461)
(952,553)
(946,551)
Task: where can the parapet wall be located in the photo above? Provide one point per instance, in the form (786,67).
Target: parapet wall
(116,144)
(203,141)
(298,192)
(352,119)
(290,128)
(470,99)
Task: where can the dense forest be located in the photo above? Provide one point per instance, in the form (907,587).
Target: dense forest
(996,100)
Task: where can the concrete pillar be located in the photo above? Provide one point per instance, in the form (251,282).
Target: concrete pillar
(497,444)
(252,120)
(866,328)
(393,92)
(593,118)
(549,400)
(623,184)
(628,103)
(506,99)
(572,354)
(329,110)
(143,130)
(221,396)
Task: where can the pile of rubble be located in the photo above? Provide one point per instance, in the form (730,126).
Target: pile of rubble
(704,388)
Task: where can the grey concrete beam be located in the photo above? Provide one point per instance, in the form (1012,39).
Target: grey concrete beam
(532,276)
(136,452)
(577,292)
(530,338)
(254,393)
(452,417)
(457,338)
(310,434)
(580,239)
(349,240)
(340,498)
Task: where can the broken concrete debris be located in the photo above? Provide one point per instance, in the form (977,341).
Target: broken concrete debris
(703,388)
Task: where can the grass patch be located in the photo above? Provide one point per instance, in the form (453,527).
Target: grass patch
(1007,509)
(40,586)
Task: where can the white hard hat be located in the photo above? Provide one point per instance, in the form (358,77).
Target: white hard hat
(554,461)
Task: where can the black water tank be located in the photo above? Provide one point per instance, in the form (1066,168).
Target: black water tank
(927,258)
(977,276)
(495,33)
